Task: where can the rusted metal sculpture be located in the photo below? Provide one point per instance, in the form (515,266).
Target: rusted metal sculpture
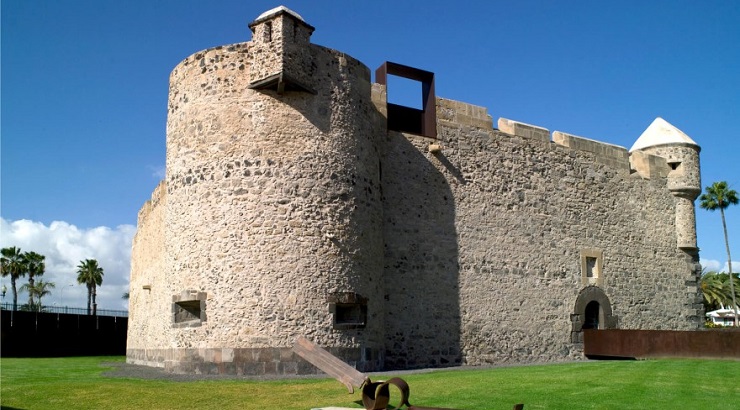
(375,395)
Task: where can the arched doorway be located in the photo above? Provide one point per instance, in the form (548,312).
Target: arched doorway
(592,310)
(591,316)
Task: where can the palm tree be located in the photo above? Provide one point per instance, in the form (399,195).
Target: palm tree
(720,196)
(729,286)
(91,275)
(38,290)
(35,266)
(14,265)
(713,290)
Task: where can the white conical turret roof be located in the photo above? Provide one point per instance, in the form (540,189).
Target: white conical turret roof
(661,132)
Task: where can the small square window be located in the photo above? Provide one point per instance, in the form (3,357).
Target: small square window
(350,314)
(189,309)
(349,310)
(592,263)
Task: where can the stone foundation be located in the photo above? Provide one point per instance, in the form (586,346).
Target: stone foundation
(247,361)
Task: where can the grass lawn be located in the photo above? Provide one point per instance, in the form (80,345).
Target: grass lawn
(77,383)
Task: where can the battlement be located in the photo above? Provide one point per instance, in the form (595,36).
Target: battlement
(459,113)
(451,111)
(607,154)
(647,165)
(521,129)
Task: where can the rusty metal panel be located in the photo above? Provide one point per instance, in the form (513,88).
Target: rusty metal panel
(720,344)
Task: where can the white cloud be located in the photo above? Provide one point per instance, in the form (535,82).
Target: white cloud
(711,265)
(158,172)
(65,246)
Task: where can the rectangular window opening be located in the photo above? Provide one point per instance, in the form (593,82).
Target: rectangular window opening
(188,309)
(592,263)
(350,314)
(349,310)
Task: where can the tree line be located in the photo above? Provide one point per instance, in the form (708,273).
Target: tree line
(17,264)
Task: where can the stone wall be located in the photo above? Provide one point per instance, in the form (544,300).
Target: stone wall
(149,286)
(486,237)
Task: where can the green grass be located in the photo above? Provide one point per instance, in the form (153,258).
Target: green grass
(77,383)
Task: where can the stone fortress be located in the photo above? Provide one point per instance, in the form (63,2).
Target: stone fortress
(299,202)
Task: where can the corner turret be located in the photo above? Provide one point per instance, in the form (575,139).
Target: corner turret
(280,55)
(681,153)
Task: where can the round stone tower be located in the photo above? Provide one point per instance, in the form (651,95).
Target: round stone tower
(684,180)
(273,221)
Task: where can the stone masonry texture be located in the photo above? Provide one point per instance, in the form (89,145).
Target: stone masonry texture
(289,209)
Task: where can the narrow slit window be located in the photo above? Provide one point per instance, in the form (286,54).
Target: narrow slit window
(268,32)
(591,271)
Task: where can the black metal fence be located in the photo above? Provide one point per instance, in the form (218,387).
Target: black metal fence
(47,334)
(67,310)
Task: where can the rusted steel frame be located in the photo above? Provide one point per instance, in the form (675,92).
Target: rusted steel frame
(429,99)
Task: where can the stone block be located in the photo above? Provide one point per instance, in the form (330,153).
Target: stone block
(521,129)
(612,155)
(649,166)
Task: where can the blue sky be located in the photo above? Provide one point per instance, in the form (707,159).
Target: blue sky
(85,82)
